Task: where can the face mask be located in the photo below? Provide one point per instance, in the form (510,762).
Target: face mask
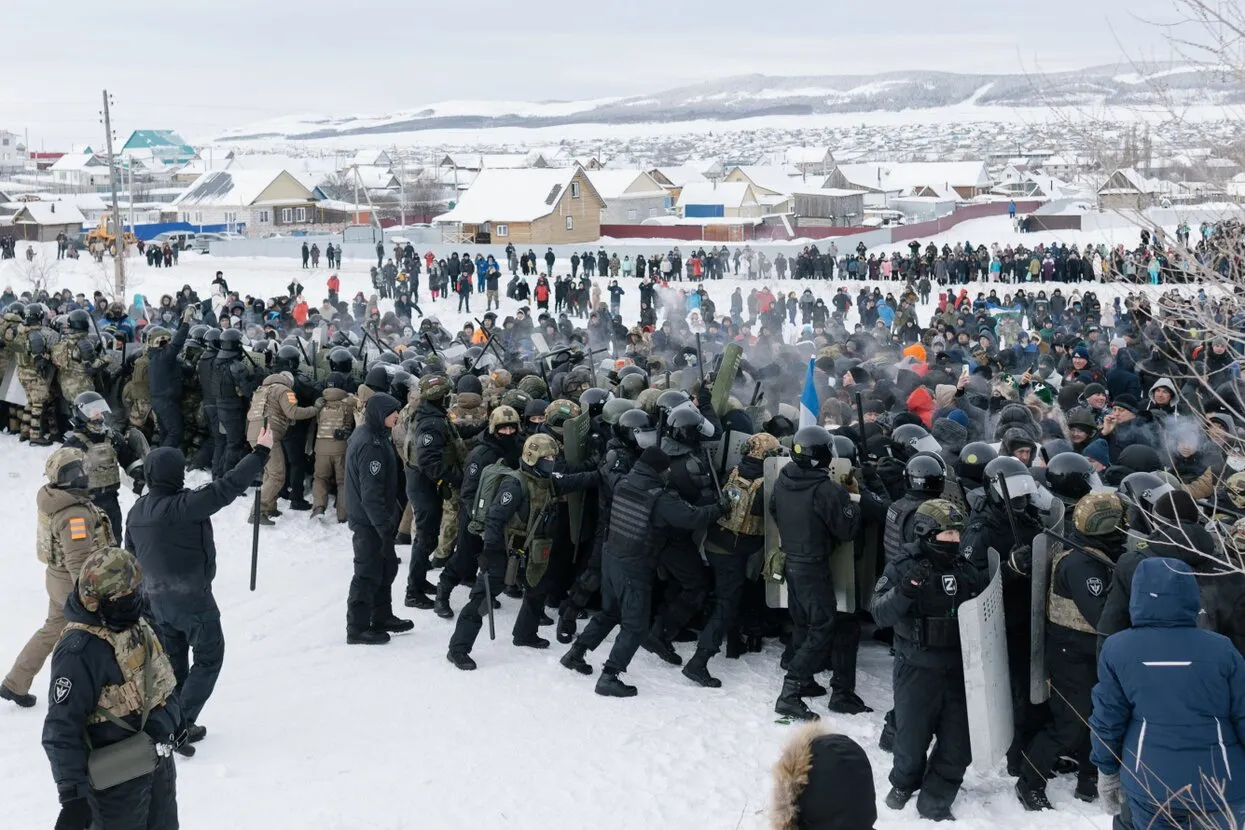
(545,467)
(941,554)
(121,613)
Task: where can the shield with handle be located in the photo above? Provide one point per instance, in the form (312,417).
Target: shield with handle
(775,582)
(575,444)
(987,686)
(725,378)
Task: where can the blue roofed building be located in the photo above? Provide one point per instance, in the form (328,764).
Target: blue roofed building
(157,148)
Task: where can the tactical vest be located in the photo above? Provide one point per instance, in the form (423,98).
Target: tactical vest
(522,529)
(334,416)
(48,546)
(898,518)
(631,519)
(259,406)
(138,375)
(102,459)
(128,647)
(401,435)
(1061,610)
(742,493)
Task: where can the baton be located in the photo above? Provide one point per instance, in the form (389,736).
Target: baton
(488,597)
(255,530)
(860,425)
(1001,480)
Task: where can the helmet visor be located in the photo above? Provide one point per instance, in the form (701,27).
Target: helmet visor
(927,443)
(95,410)
(1017,486)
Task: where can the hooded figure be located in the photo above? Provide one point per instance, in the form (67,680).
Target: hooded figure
(1168,722)
(822,782)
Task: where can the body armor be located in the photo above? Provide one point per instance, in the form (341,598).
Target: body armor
(898,520)
(742,494)
(533,533)
(338,413)
(102,462)
(47,546)
(1061,610)
(131,650)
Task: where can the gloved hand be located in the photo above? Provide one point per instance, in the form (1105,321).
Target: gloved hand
(341,434)
(724,503)
(1109,792)
(138,486)
(190,314)
(1021,559)
(704,397)
(872,480)
(76,815)
(319,404)
(915,578)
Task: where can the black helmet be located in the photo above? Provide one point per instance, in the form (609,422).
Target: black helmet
(400,385)
(910,439)
(211,338)
(614,408)
(1143,489)
(1019,483)
(336,381)
(340,360)
(388,357)
(593,400)
(971,464)
(845,447)
(671,398)
(16,309)
(1140,458)
(630,386)
(629,423)
(687,427)
(780,426)
(230,341)
(35,314)
(411,367)
(288,358)
(925,474)
(196,334)
(812,448)
(79,320)
(1070,476)
(469,384)
(378,378)
(90,413)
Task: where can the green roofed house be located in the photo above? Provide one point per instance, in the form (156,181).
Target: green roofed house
(156,148)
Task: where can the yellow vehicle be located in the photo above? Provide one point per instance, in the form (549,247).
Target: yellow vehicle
(104,232)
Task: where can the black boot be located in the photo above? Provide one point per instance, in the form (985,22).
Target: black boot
(1032,799)
(697,670)
(661,646)
(367,637)
(26,701)
(300,504)
(441,605)
(897,798)
(195,733)
(513,591)
(574,659)
(790,705)
(416,599)
(531,641)
(545,619)
(812,689)
(1086,790)
(566,623)
(461,661)
(608,685)
(392,624)
(847,703)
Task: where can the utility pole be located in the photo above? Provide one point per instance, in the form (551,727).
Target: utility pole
(119,229)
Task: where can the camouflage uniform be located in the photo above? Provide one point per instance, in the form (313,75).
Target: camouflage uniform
(136,397)
(333,426)
(275,401)
(70,529)
(75,370)
(35,372)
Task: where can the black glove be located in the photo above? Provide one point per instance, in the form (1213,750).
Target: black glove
(341,434)
(138,487)
(1021,559)
(704,397)
(86,351)
(724,503)
(873,480)
(75,815)
(915,578)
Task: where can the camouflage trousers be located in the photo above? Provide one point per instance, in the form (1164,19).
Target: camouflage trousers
(330,471)
(38,392)
(449,529)
(74,384)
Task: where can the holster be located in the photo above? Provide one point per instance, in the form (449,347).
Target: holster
(513,563)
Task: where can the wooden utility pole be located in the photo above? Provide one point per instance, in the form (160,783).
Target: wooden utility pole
(118,229)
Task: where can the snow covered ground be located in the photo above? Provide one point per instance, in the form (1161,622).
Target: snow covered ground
(305,731)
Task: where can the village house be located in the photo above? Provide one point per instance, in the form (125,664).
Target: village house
(260,200)
(1127,189)
(885,180)
(157,148)
(44,221)
(80,171)
(529,207)
(711,200)
(631,196)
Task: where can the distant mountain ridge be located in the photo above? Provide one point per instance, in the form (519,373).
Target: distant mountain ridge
(755,96)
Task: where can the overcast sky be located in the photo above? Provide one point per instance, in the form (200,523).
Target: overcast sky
(203,67)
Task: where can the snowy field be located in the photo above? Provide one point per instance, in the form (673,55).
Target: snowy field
(304,731)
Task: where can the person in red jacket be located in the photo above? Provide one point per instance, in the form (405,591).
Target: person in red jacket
(334,285)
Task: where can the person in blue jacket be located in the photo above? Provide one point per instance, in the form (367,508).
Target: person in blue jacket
(1168,721)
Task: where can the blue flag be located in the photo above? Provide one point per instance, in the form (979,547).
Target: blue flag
(809,403)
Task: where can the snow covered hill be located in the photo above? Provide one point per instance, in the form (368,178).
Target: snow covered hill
(763,96)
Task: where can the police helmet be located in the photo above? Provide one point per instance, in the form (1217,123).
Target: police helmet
(925,474)
(211,339)
(107,575)
(762,445)
(35,314)
(558,413)
(389,358)
(1070,476)
(614,408)
(90,413)
(433,387)
(503,416)
(1235,487)
(971,464)
(629,424)
(1010,475)
(400,385)
(157,336)
(230,341)
(79,320)
(593,400)
(1099,514)
(812,448)
(630,386)
(687,426)
(537,448)
(288,359)
(516,398)
(340,360)
(672,398)
(378,378)
(845,448)
(534,386)
(196,334)
(910,439)
(934,516)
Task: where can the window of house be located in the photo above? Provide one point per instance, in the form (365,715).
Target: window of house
(652,211)
(632,213)
(287,215)
(264,217)
(300,215)
(503,230)
(570,223)
(574,190)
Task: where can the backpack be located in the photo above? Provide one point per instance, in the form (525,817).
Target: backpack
(490,480)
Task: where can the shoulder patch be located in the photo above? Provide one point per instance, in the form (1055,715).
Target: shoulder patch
(292,398)
(1094,586)
(426,440)
(61,688)
(507,497)
(473,469)
(77,528)
(881,584)
(374,468)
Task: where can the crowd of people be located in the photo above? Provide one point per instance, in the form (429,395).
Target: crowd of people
(588,474)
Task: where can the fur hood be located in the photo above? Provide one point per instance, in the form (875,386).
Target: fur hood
(822,781)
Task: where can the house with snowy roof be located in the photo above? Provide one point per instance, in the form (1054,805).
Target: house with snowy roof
(12,152)
(158,148)
(960,179)
(42,221)
(545,206)
(262,200)
(1127,189)
(80,171)
(719,200)
(812,160)
(630,196)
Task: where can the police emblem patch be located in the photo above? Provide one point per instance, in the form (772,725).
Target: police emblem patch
(881,584)
(61,689)
(1094,586)
(426,440)
(506,498)
(374,467)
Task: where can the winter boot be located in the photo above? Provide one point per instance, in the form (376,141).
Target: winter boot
(40,440)
(886,742)
(897,798)
(513,591)
(461,661)
(812,689)
(545,619)
(402,539)
(264,521)
(1032,799)
(937,812)
(847,703)
(441,605)
(697,670)
(1086,790)
(317,512)
(392,624)
(661,647)
(26,701)
(300,504)
(195,733)
(185,750)
(367,637)
(416,599)
(608,685)
(574,659)
(790,705)
(531,641)
(566,623)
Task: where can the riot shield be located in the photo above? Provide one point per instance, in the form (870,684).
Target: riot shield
(725,378)
(453,353)
(1039,584)
(843,574)
(725,452)
(11,390)
(987,689)
(575,444)
(138,442)
(866,568)
(775,591)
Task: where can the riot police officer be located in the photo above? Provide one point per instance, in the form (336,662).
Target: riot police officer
(206,373)
(289,359)
(918,595)
(164,378)
(924,479)
(106,454)
(813,513)
(234,387)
